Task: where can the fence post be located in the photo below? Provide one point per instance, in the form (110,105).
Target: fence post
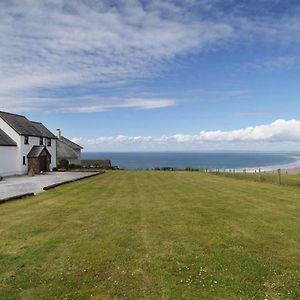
(279,176)
(259,174)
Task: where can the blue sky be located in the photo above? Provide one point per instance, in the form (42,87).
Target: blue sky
(155,75)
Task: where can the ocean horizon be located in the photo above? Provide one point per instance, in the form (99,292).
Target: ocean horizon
(201,160)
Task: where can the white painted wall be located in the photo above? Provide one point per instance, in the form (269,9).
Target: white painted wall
(25,149)
(9,155)
(8,160)
(53,152)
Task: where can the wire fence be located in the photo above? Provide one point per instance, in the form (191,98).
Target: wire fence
(279,176)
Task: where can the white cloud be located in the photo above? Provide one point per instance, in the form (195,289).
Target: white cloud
(84,104)
(57,43)
(53,44)
(281,62)
(108,104)
(280,131)
(253,113)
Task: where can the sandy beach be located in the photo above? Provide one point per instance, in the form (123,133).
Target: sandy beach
(293,168)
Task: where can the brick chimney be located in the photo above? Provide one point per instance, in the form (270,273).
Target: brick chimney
(58,132)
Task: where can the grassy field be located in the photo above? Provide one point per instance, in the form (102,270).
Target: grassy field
(153,235)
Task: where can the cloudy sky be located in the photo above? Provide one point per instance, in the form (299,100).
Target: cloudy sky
(133,75)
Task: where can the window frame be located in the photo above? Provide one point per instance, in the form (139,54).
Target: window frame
(26,139)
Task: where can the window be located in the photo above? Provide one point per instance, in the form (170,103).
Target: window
(49,142)
(41,141)
(26,139)
(24,160)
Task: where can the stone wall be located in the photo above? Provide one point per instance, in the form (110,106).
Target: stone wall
(34,164)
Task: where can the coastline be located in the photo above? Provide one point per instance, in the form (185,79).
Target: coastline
(295,169)
(128,161)
(291,168)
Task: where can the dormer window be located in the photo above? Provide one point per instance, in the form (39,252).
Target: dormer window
(26,140)
(49,142)
(41,141)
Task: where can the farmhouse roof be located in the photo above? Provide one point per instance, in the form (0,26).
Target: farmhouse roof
(36,151)
(5,140)
(69,143)
(25,127)
(65,151)
(45,131)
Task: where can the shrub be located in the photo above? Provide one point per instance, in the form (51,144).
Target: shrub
(63,164)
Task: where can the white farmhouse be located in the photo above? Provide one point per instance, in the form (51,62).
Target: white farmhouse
(25,145)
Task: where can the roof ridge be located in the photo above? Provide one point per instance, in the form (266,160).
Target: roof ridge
(23,126)
(70,142)
(9,113)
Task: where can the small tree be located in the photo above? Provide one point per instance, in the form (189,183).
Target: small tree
(64,164)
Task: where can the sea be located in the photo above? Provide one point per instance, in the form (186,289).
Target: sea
(199,160)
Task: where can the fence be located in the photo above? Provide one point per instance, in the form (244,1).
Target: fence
(279,176)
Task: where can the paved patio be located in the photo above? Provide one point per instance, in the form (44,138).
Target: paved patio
(18,185)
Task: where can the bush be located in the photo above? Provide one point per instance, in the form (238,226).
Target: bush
(164,169)
(73,166)
(191,169)
(63,164)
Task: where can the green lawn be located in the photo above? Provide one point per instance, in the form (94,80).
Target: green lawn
(153,235)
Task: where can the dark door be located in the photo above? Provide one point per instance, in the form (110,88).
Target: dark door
(43,163)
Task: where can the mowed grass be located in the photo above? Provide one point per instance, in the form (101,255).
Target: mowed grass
(153,235)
